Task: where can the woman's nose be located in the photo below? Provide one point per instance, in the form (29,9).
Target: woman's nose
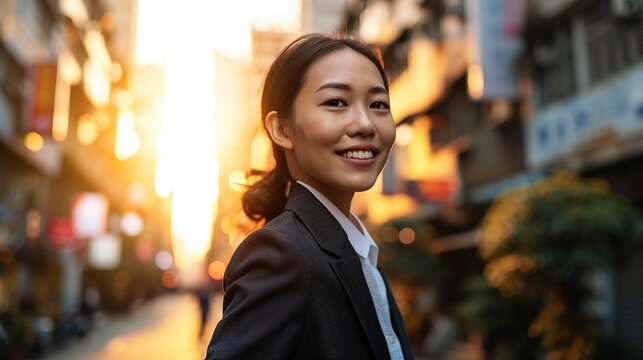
(361,123)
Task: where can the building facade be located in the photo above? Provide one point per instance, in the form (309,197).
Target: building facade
(498,94)
(63,82)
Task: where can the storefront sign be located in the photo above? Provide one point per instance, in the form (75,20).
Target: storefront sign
(40,105)
(610,112)
(60,232)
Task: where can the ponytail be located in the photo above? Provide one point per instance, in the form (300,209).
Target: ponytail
(266,198)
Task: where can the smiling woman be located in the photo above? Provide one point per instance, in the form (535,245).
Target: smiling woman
(306,285)
(340,115)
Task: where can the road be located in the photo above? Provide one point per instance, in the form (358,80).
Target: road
(163,328)
(167,328)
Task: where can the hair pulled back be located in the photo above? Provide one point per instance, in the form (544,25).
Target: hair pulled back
(266,198)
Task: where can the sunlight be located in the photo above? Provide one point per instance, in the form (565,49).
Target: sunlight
(192,152)
(224,26)
(281,15)
(187,143)
(128,141)
(151,31)
(183,39)
(192,214)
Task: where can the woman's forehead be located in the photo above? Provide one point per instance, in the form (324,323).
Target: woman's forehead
(343,65)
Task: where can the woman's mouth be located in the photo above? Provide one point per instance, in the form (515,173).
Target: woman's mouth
(359,154)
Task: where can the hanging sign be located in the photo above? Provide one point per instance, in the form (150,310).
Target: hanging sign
(40,105)
(60,232)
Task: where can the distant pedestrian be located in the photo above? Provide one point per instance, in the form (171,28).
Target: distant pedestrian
(203,295)
(306,285)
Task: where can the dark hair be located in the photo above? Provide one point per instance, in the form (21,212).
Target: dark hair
(266,198)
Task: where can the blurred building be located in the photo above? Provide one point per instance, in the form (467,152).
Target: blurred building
(490,95)
(323,16)
(68,181)
(586,115)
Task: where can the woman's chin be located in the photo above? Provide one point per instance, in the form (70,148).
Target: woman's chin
(361,186)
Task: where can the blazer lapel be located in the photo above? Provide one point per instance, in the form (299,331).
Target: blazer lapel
(331,237)
(360,297)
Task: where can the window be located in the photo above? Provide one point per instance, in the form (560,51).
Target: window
(454,116)
(613,44)
(12,80)
(554,65)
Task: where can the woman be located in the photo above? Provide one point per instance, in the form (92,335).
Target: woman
(306,285)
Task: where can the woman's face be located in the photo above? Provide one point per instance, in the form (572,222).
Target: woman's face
(342,129)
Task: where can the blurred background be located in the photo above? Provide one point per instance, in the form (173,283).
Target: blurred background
(508,216)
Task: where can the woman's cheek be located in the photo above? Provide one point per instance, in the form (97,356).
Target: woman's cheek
(390,134)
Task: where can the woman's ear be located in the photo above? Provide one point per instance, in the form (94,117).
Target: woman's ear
(277,131)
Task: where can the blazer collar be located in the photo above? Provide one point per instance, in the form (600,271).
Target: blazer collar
(330,236)
(320,222)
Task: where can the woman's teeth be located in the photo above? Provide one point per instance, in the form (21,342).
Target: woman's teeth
(358,154)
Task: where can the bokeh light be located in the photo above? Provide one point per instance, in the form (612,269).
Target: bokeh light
(407,235)
(132,223)
(390,234)
(34,141)
(164,260)
(169,279)
(216,269)
(86,129)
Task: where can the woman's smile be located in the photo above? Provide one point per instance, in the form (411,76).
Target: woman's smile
(359,155)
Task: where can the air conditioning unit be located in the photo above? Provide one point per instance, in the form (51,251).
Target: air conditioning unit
(626,8)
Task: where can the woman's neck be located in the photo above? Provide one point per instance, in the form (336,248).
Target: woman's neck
(341,199)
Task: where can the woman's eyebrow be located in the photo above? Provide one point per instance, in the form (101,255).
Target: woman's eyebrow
(334,85)
(343,86)
(378,90)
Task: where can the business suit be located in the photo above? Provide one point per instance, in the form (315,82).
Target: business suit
(295,290)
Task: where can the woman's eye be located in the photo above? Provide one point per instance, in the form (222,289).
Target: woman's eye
(335,103)
(380,105)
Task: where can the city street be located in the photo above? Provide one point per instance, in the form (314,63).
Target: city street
(167,328)
(163,328)
(491,149)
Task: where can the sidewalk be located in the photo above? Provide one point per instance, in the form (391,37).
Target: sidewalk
(164,328)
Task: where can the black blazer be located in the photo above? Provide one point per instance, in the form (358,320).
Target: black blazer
(295,289)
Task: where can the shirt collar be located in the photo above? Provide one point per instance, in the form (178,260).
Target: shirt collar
(362,242)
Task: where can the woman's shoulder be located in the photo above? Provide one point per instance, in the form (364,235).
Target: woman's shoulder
(287,228)
(286,223)
(284,233)
(277,247)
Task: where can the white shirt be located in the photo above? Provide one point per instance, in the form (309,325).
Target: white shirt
(368,252)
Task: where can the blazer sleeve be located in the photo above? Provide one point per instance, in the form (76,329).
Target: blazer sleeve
(266,286)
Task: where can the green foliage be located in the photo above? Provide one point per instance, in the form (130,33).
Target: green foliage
(540,240)
(556,229)
(502,321)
